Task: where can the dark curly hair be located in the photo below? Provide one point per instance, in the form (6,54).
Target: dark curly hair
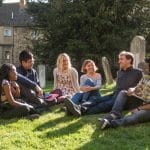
(4,73)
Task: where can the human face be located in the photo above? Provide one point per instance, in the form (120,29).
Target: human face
(65,62)
(28,64)
(13,74)
(89,67)
(124,63)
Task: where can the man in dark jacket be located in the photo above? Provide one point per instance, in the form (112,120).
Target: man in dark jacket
(32,95)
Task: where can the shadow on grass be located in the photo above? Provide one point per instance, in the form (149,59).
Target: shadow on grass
(8,121)
(53,122)
(69,129)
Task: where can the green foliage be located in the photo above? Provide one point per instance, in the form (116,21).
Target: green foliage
(85,28)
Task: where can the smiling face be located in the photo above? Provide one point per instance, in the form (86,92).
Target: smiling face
(124,63)
(13,74)
(89,67)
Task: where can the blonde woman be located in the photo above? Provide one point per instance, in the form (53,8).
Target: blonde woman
(65,76)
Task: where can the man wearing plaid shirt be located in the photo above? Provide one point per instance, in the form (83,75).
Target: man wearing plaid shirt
(140,114)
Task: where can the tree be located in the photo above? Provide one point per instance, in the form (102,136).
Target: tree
(85,28)
(1,1)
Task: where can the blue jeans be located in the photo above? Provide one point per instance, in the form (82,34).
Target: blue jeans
(104,104)
(137,117)
(82,97)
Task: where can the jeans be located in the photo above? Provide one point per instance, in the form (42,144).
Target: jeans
(83,97)
(137,117)
(123,101)
(104,104)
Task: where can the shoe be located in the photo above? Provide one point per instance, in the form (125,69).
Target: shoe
(109,117)
(104,124)
(68,113)
(73,108)
(32,117)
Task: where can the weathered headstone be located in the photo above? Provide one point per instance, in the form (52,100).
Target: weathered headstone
(107,71)
(41,70)
(137,47)
(144,67)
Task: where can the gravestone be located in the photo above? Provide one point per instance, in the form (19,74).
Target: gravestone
(137,47)
(42,79)
(144,67)
(107,71)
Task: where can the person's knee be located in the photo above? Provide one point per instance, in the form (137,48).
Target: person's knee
(123,92)
(130,120)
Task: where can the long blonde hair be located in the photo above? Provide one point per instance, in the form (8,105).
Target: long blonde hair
(59,63)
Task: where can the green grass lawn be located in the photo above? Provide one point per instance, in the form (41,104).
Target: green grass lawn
(56,131)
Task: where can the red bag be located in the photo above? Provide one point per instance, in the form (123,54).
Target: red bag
(59,97)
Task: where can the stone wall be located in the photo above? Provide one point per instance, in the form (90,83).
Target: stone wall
(22,41)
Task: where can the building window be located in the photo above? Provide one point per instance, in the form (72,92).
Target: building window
(7,32)
(34,34)
(7,55)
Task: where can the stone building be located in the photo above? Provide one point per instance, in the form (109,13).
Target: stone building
(15,31)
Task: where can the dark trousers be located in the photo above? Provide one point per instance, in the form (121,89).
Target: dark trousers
(134,118)
(30,97)
(9,111)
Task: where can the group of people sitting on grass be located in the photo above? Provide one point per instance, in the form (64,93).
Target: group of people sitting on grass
(21,94)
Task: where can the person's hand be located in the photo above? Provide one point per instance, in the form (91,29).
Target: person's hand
(15,89)
(30,106)
(86,88)
(39,91)
(131,91)
(135,110)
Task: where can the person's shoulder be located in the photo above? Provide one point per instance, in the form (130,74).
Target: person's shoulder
(83,76)
(55,69)
(137,70)
(19,68)
(72,69)
(98,75)
(34,70)
(5,82)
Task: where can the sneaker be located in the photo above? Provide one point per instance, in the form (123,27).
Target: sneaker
(109,117)
(73,108)
(104,124)
(32,117)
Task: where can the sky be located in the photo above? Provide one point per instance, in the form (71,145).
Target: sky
(10,1)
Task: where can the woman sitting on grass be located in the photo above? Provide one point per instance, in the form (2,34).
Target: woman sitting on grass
(65,76)
(10,104)
(90,83)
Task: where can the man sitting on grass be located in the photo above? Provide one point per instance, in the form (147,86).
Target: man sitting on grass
(26,69)
(140,114)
